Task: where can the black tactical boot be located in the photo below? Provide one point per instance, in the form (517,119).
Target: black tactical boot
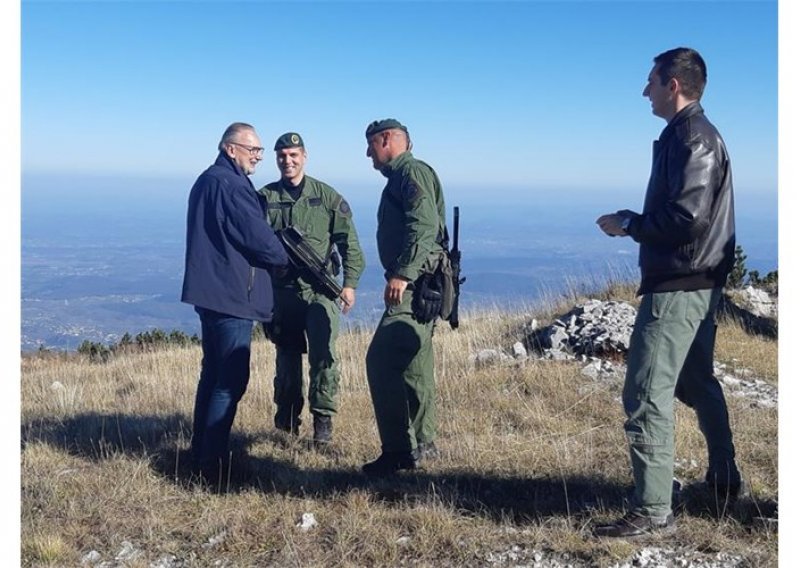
(323,429)
(287,423)
(727,483)
(390,463)
(426,451)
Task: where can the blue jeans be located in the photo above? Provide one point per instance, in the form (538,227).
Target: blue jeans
(224,375)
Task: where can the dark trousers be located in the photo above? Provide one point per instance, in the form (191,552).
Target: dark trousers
(224,375)
(304,321)
(401,379)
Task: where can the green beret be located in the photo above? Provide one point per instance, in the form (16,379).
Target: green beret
(385,124)
(289,140)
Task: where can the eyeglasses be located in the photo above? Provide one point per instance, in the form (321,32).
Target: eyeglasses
(254,150)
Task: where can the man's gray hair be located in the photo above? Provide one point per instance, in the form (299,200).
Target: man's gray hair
(231,132)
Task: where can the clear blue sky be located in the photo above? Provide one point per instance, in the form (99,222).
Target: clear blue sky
(534,94)
(544,94)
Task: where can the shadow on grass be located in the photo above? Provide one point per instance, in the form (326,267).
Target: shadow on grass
(499,497)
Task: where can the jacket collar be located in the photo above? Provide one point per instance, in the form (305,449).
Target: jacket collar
(396,164)
(685,113)
(284,187)
(224,161)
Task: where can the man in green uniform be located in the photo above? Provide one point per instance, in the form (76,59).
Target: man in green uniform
(305,319)
(411,229)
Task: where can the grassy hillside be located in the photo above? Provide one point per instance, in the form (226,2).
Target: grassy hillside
(532,453)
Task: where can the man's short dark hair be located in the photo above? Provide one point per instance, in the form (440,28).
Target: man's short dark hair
(685,65)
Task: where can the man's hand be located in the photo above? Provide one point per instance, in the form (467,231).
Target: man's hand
(348,297)
(611,224)
(393,293)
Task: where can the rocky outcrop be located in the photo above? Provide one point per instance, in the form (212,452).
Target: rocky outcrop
(594,329)
(756,310)
(597,334)
(759,302)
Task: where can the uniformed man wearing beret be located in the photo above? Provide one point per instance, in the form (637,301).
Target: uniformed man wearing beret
(306,320)
(411,226)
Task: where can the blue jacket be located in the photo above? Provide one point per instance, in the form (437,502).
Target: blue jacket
(229,245)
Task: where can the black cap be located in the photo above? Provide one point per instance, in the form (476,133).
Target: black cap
(385,124)
(289,140)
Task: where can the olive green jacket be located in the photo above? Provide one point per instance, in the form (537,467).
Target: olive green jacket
(325,219)
(411,219)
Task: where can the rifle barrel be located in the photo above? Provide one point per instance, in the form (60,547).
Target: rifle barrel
(456,216)
(293,240)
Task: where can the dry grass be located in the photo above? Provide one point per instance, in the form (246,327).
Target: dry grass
(532,453)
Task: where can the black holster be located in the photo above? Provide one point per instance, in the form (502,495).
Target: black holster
(426,301)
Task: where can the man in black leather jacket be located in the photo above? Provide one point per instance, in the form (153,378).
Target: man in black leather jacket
(686,237)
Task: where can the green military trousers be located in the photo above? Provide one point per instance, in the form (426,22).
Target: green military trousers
(672,354)
(401,382)
(304,321)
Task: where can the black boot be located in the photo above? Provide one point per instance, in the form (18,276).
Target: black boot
(390,463)
(427,451)
(323,429)
(285,422)
(214,473)
(727,483)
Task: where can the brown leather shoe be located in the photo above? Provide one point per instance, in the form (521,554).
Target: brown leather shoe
(633,524)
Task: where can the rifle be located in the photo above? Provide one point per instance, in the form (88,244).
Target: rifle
(455,264)
(304,257)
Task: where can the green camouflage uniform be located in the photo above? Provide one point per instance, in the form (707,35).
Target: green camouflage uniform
(305,320)
(411,222)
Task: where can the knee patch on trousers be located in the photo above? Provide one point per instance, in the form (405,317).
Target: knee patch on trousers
(643,442)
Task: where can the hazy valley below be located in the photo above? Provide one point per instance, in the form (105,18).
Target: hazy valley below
(107,258)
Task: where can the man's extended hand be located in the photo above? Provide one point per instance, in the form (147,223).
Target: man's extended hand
(611,224)
(348,297)
(393,293)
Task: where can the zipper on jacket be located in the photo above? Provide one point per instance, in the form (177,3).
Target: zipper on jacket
(250,282)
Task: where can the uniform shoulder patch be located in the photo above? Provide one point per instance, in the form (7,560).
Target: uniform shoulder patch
(344,207)
(410,190)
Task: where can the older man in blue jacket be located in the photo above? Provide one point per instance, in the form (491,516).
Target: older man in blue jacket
(229,250)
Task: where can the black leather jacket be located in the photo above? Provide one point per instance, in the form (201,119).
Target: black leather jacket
(686,230)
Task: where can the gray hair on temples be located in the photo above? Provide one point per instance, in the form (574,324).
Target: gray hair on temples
(231,132)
